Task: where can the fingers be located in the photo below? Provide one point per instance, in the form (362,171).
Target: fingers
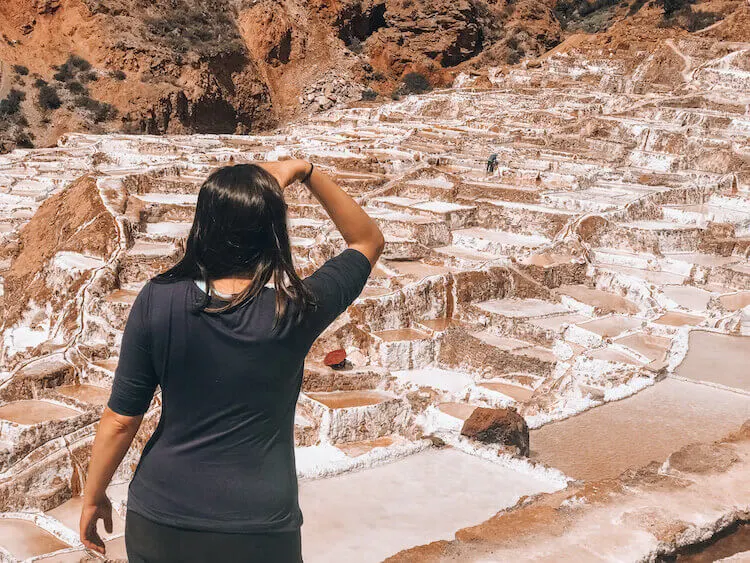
(89,536)
(108,519)
(99,548)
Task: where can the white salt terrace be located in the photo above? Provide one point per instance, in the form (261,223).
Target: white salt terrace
(34,412)
(598,284)
(403,512)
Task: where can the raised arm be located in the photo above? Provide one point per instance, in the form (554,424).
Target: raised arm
(359,230)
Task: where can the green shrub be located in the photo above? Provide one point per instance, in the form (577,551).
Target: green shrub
(118,75)
(416,83)
(369,94)
(48,98)
(20,69)
(78,62)
(64,73)
(75,87)
(90,76)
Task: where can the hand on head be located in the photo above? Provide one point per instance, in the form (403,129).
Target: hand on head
(286,172)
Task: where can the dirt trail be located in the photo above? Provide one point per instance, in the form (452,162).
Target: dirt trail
(687,71)
(4,79)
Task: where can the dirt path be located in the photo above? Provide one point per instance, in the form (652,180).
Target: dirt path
(4,79)
(687,70)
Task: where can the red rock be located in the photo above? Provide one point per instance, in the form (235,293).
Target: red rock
(336,358)
(498,426)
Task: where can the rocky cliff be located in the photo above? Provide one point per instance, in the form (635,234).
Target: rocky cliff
(234,66)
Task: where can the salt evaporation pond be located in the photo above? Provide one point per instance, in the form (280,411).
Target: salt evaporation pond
(605,441)
(372,514)
(708,350)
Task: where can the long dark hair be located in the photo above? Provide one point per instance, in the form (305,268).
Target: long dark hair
(240,230)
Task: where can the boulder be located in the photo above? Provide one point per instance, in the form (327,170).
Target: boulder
(498,426)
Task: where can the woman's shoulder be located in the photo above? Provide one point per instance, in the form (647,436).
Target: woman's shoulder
(160,289)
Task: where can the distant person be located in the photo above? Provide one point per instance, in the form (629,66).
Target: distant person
(492,163)
(217,480)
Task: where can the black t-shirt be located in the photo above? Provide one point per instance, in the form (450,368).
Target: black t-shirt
(222,456)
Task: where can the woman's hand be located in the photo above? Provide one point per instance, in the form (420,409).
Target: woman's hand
(286,172)
(90,515)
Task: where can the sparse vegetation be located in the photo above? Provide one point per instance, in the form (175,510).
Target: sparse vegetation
(636,6)
(679,13)
(356,46)
(118,75)
(515,51)
(699,20)
(24,139)
(369,94)
(199,26)
(20,69)
(673,6)
(13,122)
(74,67)
(567,10)
(100,111)
(416,83)
(11,105)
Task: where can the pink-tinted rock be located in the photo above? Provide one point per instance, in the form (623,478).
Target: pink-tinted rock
(335,359)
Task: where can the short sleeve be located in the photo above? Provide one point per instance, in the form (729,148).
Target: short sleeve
(135,378)
(337,283)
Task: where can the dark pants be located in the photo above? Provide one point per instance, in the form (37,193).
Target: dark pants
(149,542)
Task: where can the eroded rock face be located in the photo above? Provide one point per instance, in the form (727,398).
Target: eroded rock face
(498,426)
(219,66)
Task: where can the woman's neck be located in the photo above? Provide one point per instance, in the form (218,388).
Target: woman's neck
(230,286)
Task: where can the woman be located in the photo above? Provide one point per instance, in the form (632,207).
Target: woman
(217,479)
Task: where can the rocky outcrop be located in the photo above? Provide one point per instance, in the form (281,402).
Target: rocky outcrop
(498,426)
(218,66)
(225,66)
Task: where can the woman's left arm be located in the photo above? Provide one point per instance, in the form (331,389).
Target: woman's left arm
(113,438)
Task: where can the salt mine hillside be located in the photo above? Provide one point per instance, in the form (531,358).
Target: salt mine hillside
(549,362)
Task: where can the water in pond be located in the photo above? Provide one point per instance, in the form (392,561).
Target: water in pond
(34,412)
(24,539)
(707,350)
(605,441)
(347,399)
